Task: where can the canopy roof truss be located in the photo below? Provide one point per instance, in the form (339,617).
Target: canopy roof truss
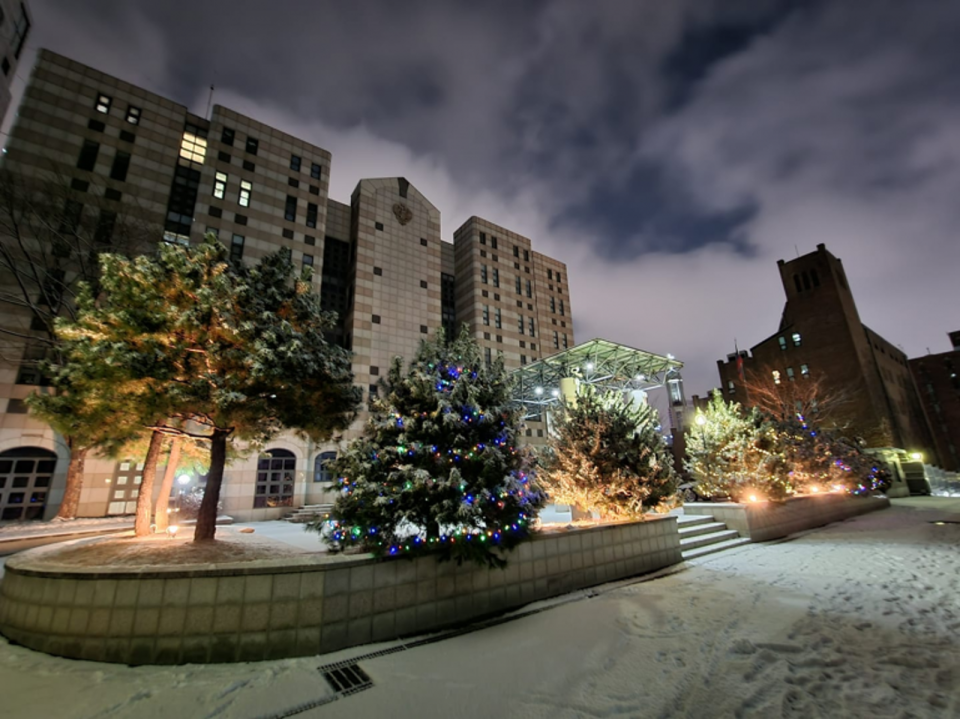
(602,364)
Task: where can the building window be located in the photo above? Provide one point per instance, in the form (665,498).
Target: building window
(553,304)
(497,319)
(483,274)
(776,377)
(236,248)
(529,289)
(424,329)
(487,356)
(275,479)
(564,340)
(790,373)
(193,145)
(133,115)
(516,251)
(483,238)
(783,342)
(423,242)
(731,387)
(103,103)
(295,163)
(556,340)
(88,155)
(523,359)
(804,370)
(316,171)
(121,164)
(796,281)
(312,210)
(290,210)
(239,219)
(375,319)
(378,271)
(526,255)
(815,277)
(486,315)
(493,242)
(220,185)
(249,166)
(227,136)
(561,308)
(519,288)
(321,467)
(252,145)
(496,277)
(530,325)
(246,188)
(309,239)
(105,224)
(378,225)
(796,339)
(521,325)
(308,260)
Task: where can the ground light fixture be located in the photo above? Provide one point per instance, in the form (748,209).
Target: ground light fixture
(916,456)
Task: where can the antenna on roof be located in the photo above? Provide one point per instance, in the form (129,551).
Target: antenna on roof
(209,103)
(795,248)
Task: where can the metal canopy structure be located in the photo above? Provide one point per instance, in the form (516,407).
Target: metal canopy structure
(602,364)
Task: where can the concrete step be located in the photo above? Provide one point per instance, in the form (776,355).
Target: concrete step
(689,520)
(718,547)
(696,530)
(705,539)
(308,513)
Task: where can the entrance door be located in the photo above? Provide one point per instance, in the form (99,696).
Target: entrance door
(25,476)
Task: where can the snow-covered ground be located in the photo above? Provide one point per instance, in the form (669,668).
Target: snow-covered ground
(859,619)
(26,530)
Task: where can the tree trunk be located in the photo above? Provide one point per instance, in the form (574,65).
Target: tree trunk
(162,519)
(141,525)
(71,493)
(207,517)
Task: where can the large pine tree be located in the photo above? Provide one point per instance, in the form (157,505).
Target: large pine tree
(438,468)
(608,457)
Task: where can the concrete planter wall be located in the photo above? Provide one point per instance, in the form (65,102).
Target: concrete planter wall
(283,608)
(762,521)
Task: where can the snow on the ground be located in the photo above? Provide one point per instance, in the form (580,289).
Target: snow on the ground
(859,619)
(27,530)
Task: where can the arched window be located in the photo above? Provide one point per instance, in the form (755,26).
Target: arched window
(276,470)
(25,476)
(320,471)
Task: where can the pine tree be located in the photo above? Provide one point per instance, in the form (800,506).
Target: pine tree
(221,353)
(608,457)
(438,468)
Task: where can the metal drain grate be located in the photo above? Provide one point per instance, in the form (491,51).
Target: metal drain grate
(346,679)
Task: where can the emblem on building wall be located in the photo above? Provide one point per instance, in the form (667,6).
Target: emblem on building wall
(404,214)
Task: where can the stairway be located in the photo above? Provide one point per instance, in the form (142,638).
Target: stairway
(916,477)
(701,535)
(309,512)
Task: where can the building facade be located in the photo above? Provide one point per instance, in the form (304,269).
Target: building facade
(15,24)
(128,158)
(938,380)
(821,335)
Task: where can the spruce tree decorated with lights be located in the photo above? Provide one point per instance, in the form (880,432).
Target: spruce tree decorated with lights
(608,457)
(438,468)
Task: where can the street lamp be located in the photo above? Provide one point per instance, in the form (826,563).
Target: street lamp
(183,480)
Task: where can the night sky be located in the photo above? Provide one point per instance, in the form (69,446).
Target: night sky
(670,152)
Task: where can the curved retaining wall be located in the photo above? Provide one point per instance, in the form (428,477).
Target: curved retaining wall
(282,608)
(763,521)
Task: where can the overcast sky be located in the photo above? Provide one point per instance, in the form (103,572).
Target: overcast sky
(669,151)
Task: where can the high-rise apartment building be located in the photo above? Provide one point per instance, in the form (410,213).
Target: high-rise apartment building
(128,158)
(821,335)
(938,380)
(15,22)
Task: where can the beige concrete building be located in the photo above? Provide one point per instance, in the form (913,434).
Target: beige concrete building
(130,162)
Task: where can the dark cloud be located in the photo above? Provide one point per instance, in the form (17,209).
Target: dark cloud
(669,152)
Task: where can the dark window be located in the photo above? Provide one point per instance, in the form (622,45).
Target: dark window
(252,145)
(133,115)
(529,289)
(403,186)
(483,274)
(224,157)
(316,171)
(561,310)
(806,281)
(16,406)
(516,253)
(796,281)
(79,185)
(105,224)
(493,242)
(549,274)
(236,248)
(312,210)
(276,470)
(183,200)
(496,277)
(423,242)
(423,329)
(121,164)
(103,103)
(295,163)
(88,155)
(378,271)
(5,66)
(375,319)
(293,182)
(290,211)
(288,234)
(523,359)
(517,283)
(487,355)
(308,260)
(526,257)
(559,278)
(309,239)
(96,126)
(556,340)
(375,371)
(227,136)
(531,327)
(378,225)
(216,212)
(314,190)
(321,471)
(70,219)
(127,136)
(373,390)
(483,238)
(815,277)
(249,166)
(423,284)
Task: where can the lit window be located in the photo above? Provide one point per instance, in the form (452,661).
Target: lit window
(133,115)
(220,185)
(790,373)
(731,387)
(246,188)
(796,339)
(176,239)
(776,377)
(103,103)
(193,147)
(804,370)
(783,342)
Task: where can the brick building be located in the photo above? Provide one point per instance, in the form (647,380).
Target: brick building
(938,381)
(821,335)
(380,262)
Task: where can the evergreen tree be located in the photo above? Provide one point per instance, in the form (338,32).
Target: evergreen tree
(438,468)
(608,457)
(217,352)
